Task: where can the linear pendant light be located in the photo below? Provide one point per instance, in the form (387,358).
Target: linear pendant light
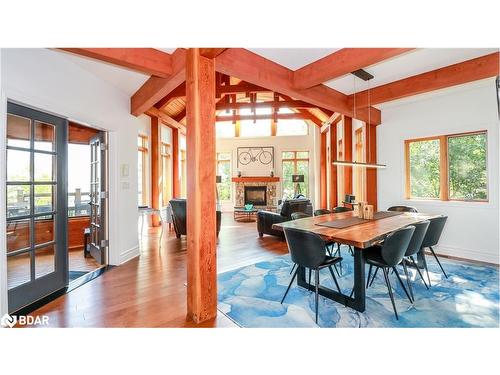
(358,164)
(364,75)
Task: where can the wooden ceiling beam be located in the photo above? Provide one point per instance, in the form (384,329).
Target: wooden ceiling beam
(333,120)
(144,60)
(273,104)
(240,88)
(270,116)
(341,63)
(166,119)
(156,88)
(252,68)
(178,92)
(456,74)
(211,53)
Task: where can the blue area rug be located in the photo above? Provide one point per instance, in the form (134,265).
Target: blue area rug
(251,295)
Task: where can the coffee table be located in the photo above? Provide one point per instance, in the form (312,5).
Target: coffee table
(242,214)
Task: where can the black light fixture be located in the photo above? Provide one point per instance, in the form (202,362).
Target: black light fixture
(297,178)
(365,76)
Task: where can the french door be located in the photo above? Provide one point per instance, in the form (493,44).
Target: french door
(37,262)
(98,198)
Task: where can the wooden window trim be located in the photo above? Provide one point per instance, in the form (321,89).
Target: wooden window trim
(222,161)
(443,167)
(294,160)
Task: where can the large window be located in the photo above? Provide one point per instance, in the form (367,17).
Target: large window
(295,163)
(258,128)
(224,170)
(448,167)
(142,164)
(166,173)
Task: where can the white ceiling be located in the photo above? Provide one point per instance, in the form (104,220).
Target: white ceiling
(293,58)
(407,65)
(126,80)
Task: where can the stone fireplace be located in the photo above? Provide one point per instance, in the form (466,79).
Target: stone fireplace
(260,191)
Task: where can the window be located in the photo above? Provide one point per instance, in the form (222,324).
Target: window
(183,174)
(78,179)
(142,163)
(292,127)
(359,175)
(166,174)
(448,167)
(258,128)
(224,129)
(424,160)
(224,170)
(295,163)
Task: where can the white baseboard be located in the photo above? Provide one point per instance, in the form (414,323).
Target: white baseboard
(129,254)
(468,254)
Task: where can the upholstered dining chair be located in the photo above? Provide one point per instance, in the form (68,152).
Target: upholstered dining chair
(299,215)
(413,248)
(308,250)
(334,211)
(431,239)
(321,211)
(388,256)
(340,209)
(402,209)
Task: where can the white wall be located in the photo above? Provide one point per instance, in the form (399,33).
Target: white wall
(280,144)
(46,80)
(472,230)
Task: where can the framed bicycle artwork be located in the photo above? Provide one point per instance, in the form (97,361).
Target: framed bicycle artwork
(260,155)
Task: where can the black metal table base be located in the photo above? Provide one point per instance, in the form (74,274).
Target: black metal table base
(356,303)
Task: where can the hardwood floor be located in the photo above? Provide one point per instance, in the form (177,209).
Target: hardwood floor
(18,267)
(150,290)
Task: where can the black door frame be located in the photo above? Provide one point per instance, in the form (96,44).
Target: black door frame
(38,288)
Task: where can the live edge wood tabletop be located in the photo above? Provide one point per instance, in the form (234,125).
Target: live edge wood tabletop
(361,235)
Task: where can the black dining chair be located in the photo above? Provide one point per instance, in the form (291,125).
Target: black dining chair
(321,211)
(299,215)
(413,248)
(296,216)
(335,211)
(402,209)
(388,256)
(340,209)
(431,238)
(308,250)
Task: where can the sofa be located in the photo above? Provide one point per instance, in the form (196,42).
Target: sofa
(266,219)
(179,213)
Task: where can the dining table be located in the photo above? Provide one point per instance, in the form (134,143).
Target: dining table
(346,228)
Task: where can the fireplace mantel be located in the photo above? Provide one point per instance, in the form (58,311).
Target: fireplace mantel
(256,179)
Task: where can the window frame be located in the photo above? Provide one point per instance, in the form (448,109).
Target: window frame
(166,172)
(222,161)
(294,160)
(444,165)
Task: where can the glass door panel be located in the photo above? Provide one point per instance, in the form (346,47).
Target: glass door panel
(36,205)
